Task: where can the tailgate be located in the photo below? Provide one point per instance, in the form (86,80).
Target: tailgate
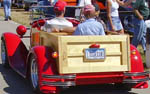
(72,54)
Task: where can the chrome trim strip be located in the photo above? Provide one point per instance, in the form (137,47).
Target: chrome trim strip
(137,73)
(67,83)
(59,76)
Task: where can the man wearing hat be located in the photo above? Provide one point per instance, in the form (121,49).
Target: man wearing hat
(90,26)
(58,23)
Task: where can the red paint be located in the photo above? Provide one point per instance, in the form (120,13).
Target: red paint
(75,22)
(99,78)
(37,24)
(136,61)
(95,46)
(21,30)
(141,85)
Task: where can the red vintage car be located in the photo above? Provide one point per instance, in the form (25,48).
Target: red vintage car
(57,60)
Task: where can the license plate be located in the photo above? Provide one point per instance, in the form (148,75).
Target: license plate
(95,54)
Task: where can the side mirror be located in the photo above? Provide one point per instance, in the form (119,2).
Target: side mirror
(21,30)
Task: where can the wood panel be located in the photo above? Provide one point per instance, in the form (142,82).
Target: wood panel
(71,52)
(117,54)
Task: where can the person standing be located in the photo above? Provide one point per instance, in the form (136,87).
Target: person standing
(141,13)
(114,23)
(7,9)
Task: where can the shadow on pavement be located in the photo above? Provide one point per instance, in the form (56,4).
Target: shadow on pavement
(13,83)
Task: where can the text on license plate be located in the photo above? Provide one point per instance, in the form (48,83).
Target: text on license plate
(95,54)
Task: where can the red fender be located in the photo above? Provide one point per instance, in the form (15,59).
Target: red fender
(16,51)
(46,65)
(137,66)
(37,24)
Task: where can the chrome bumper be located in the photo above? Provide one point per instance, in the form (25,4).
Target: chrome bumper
(145,76)
(67,80)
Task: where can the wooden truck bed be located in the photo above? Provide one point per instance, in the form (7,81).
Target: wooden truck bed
(72,56)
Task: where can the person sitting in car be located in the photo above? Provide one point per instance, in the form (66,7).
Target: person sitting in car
(59,23)
(90,26)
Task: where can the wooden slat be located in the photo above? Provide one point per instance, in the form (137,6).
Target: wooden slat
(62,54)
(80,62)
(94,69)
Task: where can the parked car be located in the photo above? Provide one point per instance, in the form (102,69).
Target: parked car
(29,3)
(57,60)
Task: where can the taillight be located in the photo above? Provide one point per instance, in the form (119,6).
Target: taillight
(54,54)
(133,52)
(95,46)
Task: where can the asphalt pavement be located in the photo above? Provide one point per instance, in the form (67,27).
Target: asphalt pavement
(12,83)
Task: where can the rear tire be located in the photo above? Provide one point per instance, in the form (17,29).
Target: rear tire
(4,55)
(34,75)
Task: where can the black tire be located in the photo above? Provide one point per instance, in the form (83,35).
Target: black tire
(4,55)
(34,75)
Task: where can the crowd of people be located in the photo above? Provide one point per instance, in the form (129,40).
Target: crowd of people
(141,13)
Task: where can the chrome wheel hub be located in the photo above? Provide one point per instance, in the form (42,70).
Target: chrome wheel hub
(34,73)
